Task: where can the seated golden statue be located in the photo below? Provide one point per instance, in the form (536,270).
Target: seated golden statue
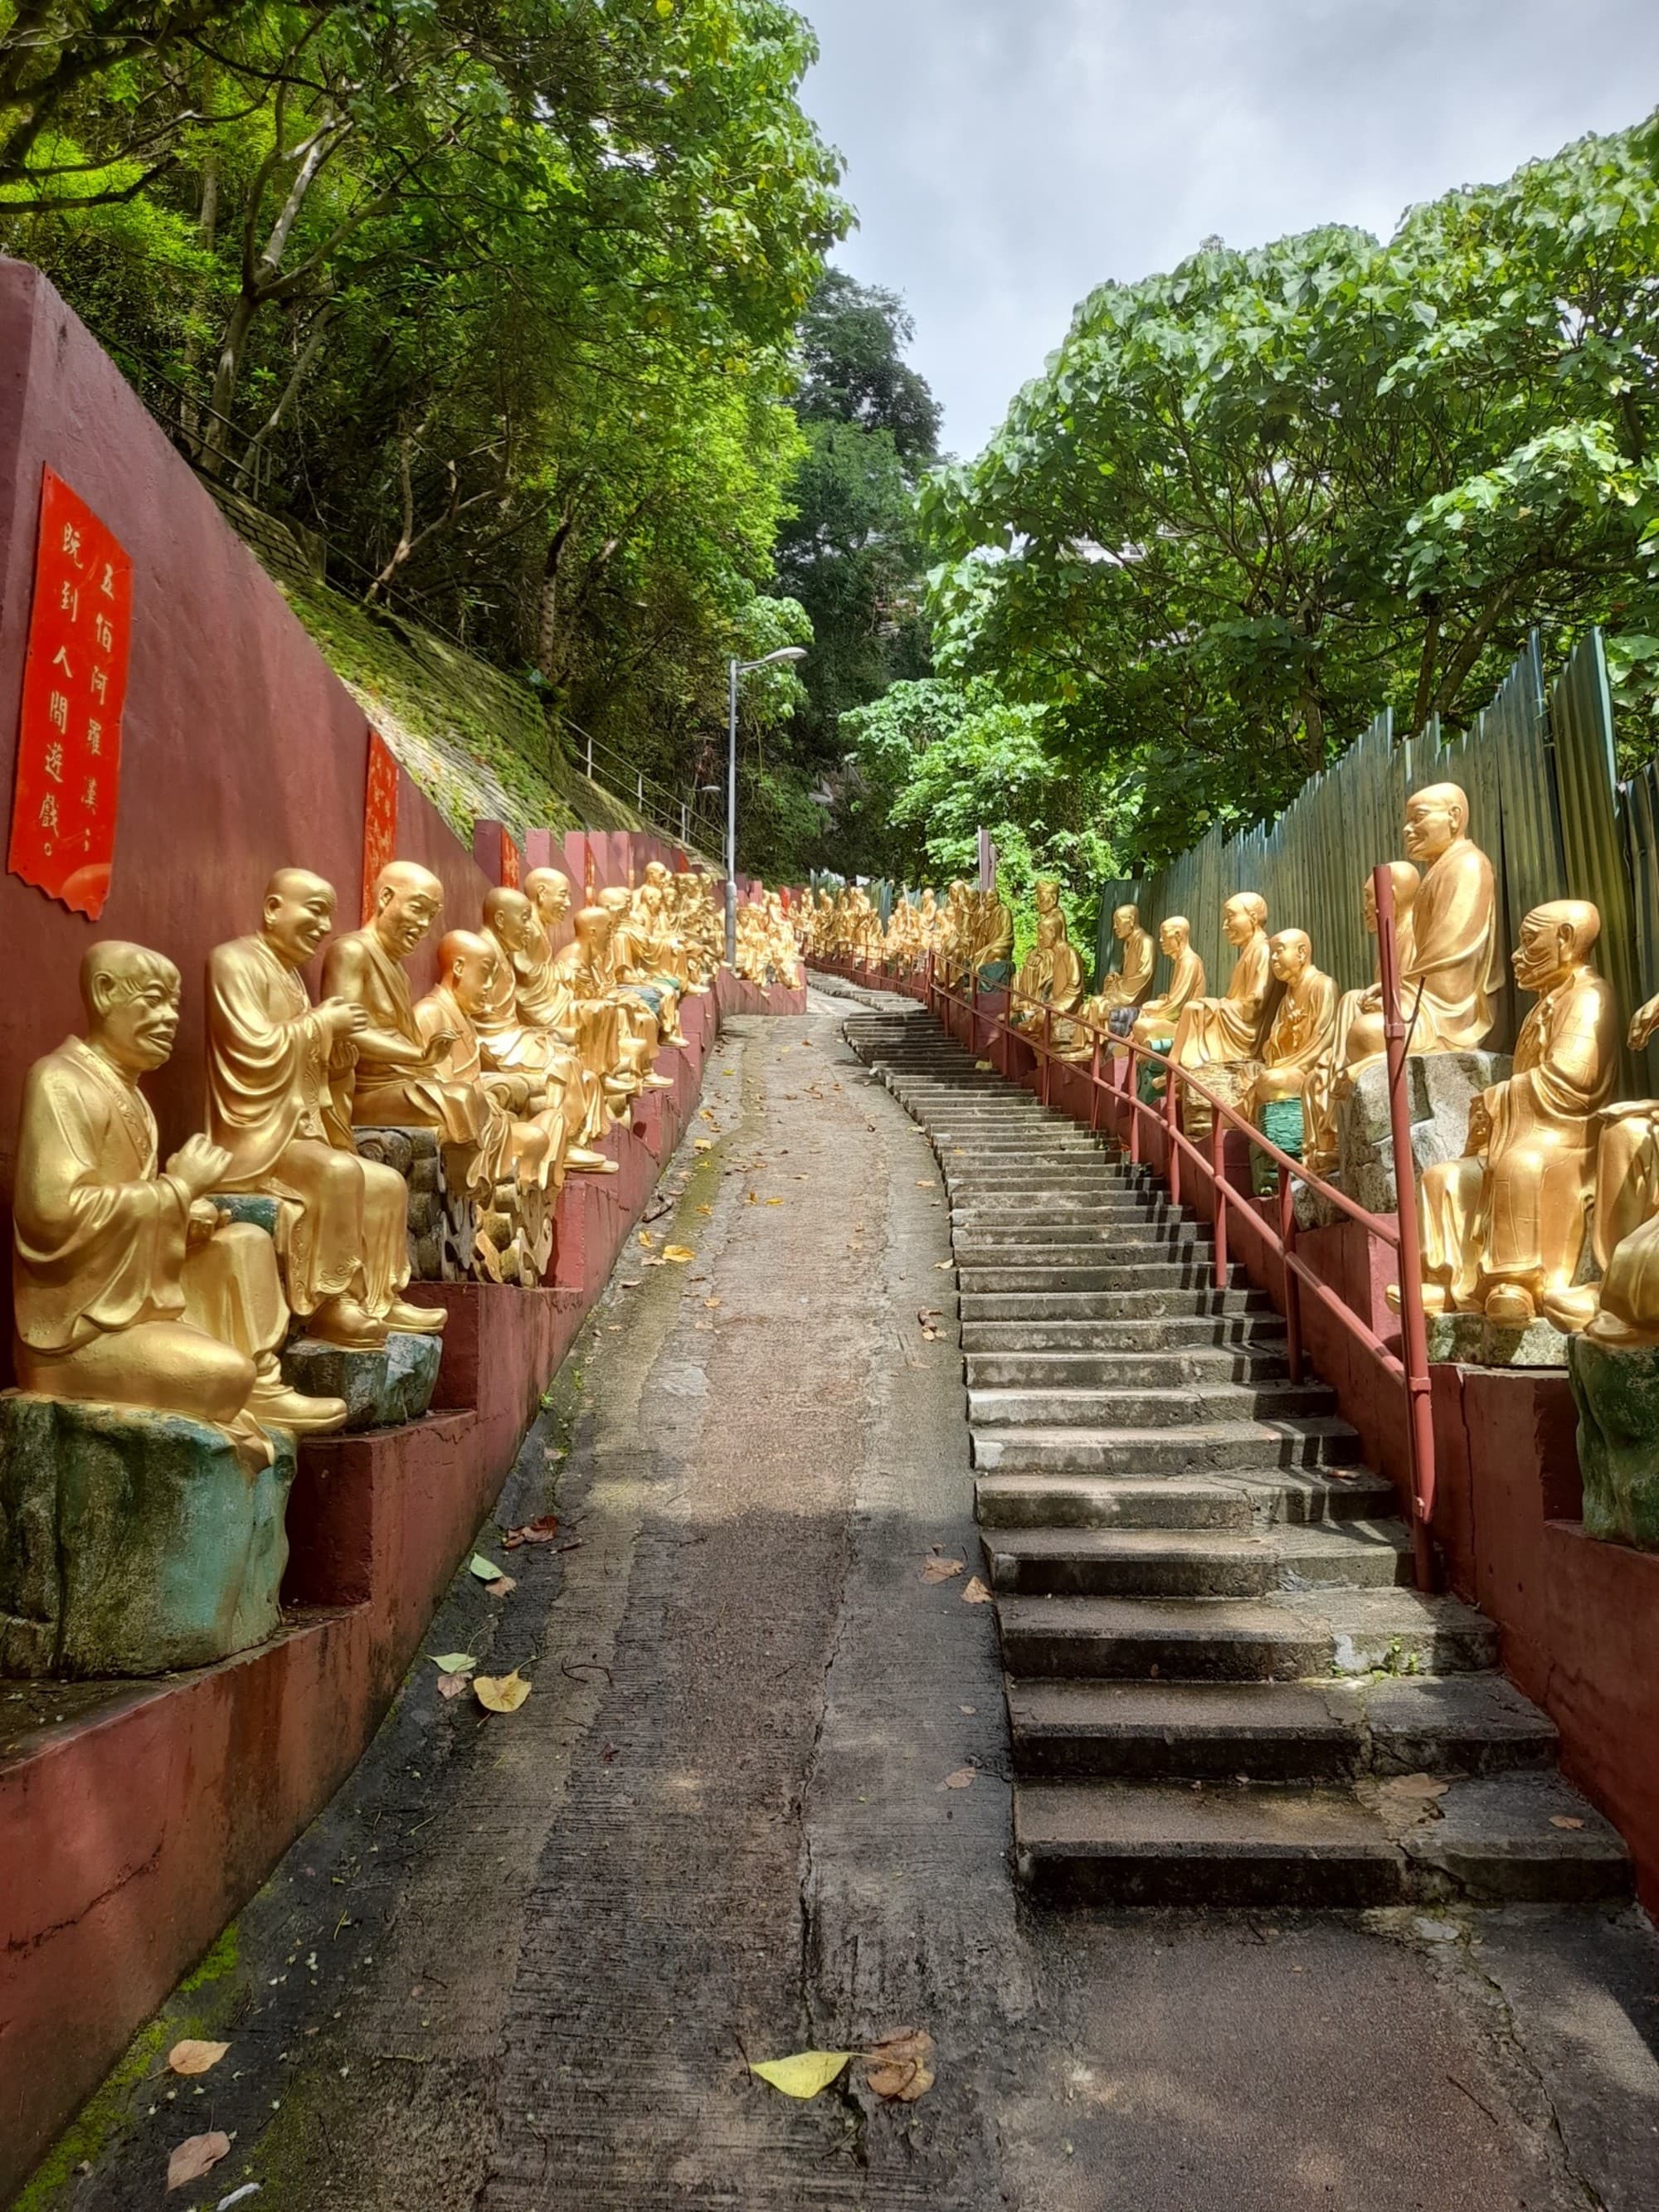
(1122,989)
(1356,1040)
(1504,1227)
(512,1043)
(526,1135)
(1213,1032)
(130,1288)
(624,1030)
(639,1030)
(643,960)
(1623,1307)
(548,890)
(1300,1029)
(1159,1017)
(991,957)
(395,1078)
(1454,965)
(1051,973)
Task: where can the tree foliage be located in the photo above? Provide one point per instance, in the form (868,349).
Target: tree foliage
(1249,502)
(499,296)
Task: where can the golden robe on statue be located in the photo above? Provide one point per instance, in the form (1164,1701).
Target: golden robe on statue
(1453,964)
(393,1083)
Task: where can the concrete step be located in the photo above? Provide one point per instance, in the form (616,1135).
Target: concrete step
(1439,1724)
(1237,1445)
(1168,1562)
(1131,1335)
(1129,1303)
(1155,1410)
(1487,1840)
(1090,1233)
(1061,1276)
(1279,1638)
(1300,1497)
(1202,1365)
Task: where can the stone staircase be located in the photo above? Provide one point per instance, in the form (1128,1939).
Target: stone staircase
(1223,1687)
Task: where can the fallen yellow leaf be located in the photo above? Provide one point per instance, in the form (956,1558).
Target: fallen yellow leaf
(774,1201)
(1565,1820)
(962,1779)
(193,2057)
(195,2156)
(501,1693)
(679,1253)
(900,2067)
(940,1571)
(702,1144)
(804,2074)
(647,1240)
(975,1593)
(711,1302)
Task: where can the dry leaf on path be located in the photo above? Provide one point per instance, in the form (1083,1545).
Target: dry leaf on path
(503,1586)
(975,1593)
(774,1201)
(191,2057)
(711,1302)
(900,2067)
(925,1183)
(647,1240)
(453,1686)
(542,1530)
(1416,1785)
(943,1264)
(501,1693)
(962,1779)
(702,1144)
(941,1570)
(633,1283)
(195,2156)
(679,1253)
(804,2074)
(1565,1820)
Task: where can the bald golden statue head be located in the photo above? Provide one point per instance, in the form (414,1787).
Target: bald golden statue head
(548,892)
(509,914)
(131,998)
(1555,938)
(593,927)
(1126,919)
(1290,954)
(406,901)
(467,964)
(1174,934)
(616,898)
(1244,914)
(298,915)
(1436,817)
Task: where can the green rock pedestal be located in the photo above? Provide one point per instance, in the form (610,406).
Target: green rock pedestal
(1617,1394)
(132,1543)
(382,1389)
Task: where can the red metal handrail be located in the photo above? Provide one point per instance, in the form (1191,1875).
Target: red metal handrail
(1126,1110)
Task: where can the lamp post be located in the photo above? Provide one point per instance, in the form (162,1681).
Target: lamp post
(738,669)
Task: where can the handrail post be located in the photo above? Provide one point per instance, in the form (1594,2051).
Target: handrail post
(1414,1328)
(1047,1048)
(1094,1089)
(1171,1118)
(1133,1094)
(1218,1155)
(1293,1287)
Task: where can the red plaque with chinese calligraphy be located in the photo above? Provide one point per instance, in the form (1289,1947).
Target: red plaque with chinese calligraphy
(75,684)
(379,814)
(509,861)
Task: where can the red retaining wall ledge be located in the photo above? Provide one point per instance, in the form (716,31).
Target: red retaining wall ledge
(136,1819)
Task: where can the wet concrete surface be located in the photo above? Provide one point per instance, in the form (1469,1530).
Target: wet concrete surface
(521,1961)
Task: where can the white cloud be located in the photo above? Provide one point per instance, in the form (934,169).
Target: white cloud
(1007,156)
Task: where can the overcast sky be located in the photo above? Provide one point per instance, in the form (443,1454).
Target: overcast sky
(1007,156)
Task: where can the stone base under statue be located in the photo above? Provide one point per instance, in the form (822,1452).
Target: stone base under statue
(1440,1089)
(132,1542)
(1469,1340)
(1616,1390)
(382,1389)
(443,1224)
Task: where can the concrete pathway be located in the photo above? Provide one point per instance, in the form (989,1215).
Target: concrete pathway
(519,1961)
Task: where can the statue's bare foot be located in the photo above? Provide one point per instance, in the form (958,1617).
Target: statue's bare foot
(581,1161)
(1574,1309)
(344,1322)
(1511,1306)
(276,1406)
(415,1321)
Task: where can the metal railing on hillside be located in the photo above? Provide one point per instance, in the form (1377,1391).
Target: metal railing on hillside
(1144,1127)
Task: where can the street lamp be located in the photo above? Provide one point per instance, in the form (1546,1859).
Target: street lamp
(739,668)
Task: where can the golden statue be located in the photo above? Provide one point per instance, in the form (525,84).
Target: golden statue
(1160,1017)
(277,1066)
(992,952)
(1623,1307)
(638,1031)
(1445,986)
(512,1044)
(622,1030)
(1356,1040)
(130,1288)
(642,957)
(526,1135)
(1212,1032)
(1127,985)
(548,890)
(1504,1227)
(1051,973)
(1302,1027)
(395,1080)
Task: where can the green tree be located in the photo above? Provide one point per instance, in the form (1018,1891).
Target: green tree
(1252,500)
